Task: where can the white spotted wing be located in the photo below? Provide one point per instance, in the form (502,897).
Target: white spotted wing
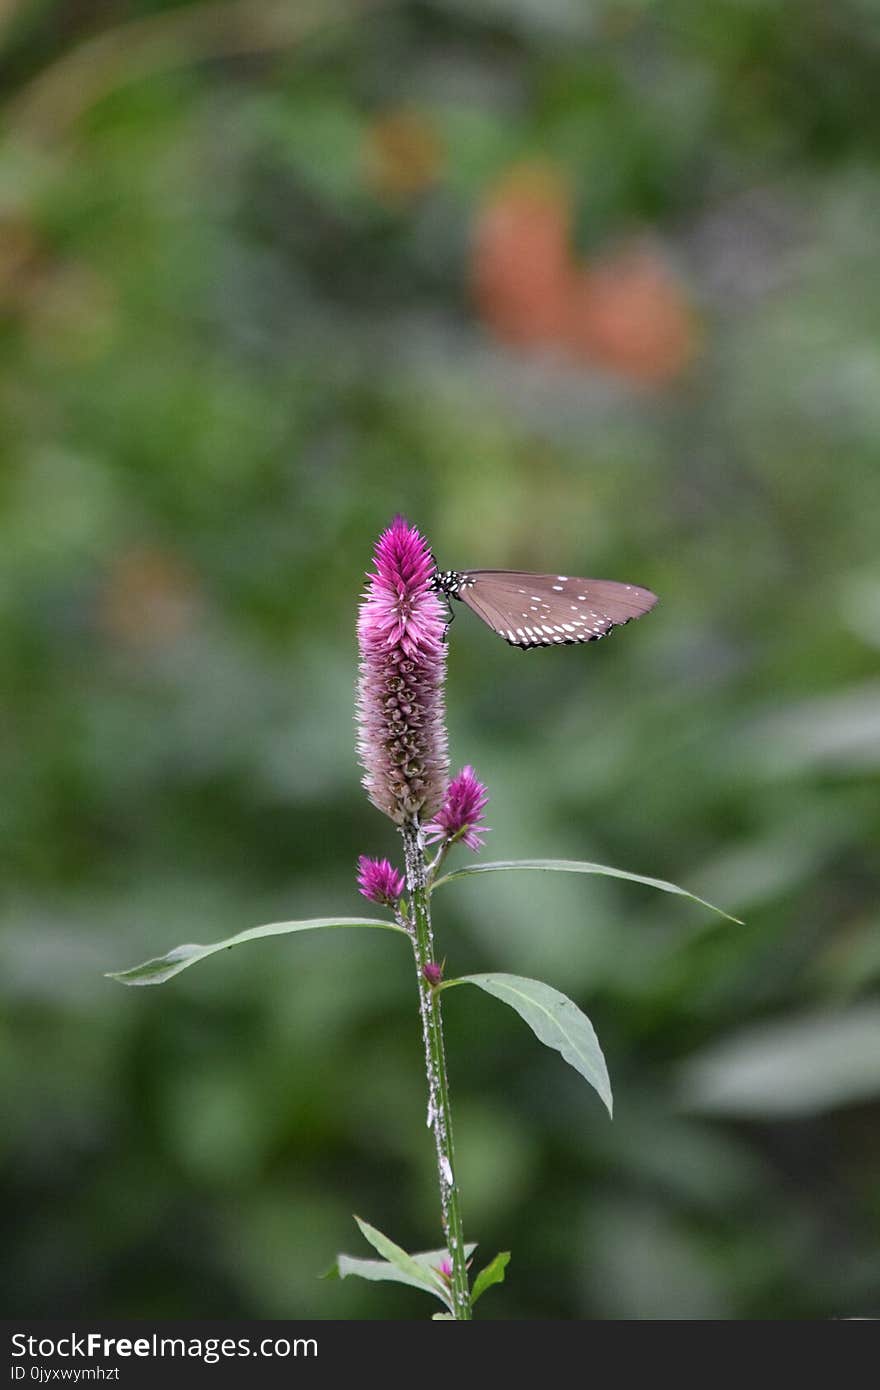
(548,610)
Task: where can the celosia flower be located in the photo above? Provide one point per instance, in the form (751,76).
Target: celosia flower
(379,881)
(461,814)
(401,629)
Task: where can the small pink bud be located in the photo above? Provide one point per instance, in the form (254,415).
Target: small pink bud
(433,973)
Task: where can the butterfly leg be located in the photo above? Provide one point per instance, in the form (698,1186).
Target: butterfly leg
(450,620)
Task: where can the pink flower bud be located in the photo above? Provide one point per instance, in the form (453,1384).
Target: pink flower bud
(461,814)
(379,881)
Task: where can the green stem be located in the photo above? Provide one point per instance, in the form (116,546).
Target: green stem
(436,864)
(439,1113)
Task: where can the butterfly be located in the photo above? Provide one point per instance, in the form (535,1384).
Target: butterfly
(544,610)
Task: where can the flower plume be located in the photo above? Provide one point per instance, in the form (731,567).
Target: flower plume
(461,815)
(401,627)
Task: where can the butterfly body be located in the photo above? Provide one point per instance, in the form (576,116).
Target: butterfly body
(545,610)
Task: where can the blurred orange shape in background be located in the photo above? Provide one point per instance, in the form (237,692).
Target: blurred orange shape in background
(625,313)
(20,258)
(148,597)
(404,154)
(520,261)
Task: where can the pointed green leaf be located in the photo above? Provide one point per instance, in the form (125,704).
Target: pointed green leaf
(161,968)
(345,1265)
(805,1065)
(492,1274)
(422,1276)
(581,866)
(442,1317)
(554,1019)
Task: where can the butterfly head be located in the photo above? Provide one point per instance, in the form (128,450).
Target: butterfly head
(450,583)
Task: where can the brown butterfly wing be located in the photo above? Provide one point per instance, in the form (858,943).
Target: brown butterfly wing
(547,610)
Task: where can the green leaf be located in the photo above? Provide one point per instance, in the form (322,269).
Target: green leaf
(492,1274)
(408,1269)
(345,1265)
(789,1068)
(554,1019)
(581,866)
(161,968)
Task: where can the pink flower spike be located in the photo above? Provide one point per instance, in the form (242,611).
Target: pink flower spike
(379,881)
(461,814)
(401,631)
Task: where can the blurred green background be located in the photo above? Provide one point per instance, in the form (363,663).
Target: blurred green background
(589,286)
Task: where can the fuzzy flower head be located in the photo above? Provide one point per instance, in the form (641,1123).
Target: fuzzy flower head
(379,881)
(461,815)
(401,631)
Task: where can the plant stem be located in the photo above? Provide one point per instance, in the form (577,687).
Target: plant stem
(439,1114)
(436,864)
